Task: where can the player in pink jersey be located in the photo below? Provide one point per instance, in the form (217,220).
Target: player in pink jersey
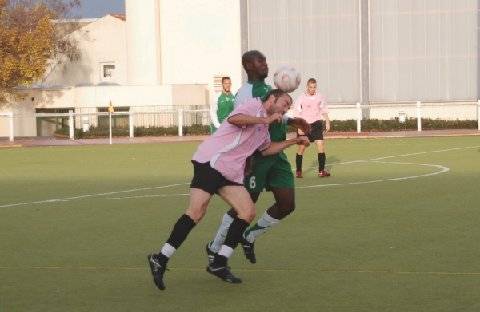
(218,168)
(312,106)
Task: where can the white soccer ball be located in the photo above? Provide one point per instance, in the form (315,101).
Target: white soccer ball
(287,78)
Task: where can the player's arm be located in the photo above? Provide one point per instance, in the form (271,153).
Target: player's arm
(327,122)
(277,147)
(241,120)
(299,123)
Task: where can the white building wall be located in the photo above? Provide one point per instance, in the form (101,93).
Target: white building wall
(143,42)
(318,37)
(424,50)
(200,39)
(100,42)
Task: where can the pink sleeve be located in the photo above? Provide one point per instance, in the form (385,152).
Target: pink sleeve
(249,108)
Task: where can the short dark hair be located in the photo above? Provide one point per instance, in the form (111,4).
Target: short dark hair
(248,56)
(311,80)
(276,93)
(225,78)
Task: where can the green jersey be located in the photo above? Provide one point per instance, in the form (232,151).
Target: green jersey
(272,171)
(224,106)
(259,89)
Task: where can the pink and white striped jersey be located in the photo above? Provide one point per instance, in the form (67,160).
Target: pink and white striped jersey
(310,107)
(228,148)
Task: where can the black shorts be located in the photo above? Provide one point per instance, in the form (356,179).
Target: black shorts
(208,179)
(316,132)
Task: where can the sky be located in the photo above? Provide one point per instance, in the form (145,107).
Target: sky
(99,8)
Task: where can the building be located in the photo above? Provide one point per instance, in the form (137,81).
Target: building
(168,53)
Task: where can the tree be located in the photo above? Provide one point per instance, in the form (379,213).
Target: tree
(29,42)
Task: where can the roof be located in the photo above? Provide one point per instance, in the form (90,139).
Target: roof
(122,17)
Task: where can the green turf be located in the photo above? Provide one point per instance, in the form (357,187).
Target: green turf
(390,245)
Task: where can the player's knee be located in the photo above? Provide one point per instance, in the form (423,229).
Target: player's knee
(286,208)
(247,214)
(196,214)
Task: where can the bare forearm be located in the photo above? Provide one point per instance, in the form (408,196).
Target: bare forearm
(277,147)
(245,120)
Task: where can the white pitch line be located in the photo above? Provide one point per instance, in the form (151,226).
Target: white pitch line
(54,200)
(443,169)
(148,196)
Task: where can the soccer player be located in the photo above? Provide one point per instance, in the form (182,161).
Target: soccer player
(218,168)
(272,172)
(224,106)
(312,106)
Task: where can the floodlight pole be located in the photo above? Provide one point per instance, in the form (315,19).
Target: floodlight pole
(180,122)
(70,125)
(130,124)
(10,125)
(419,116)
(478,114)
(359,118)
(110,126)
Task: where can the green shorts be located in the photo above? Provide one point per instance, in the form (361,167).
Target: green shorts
(270,172)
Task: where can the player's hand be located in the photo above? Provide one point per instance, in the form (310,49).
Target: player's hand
(327,127)
(275,117)
(303,140)
(300,124)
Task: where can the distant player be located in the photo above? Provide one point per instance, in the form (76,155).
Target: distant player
(218,168)
(224,106)
(272,173)
(312,106)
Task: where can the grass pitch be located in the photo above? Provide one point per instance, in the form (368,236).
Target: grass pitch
(395,228)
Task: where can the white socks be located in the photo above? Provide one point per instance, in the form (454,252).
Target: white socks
(262,225)
(221,233)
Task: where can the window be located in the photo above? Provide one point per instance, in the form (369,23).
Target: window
(107,71)
(47,126)
(118,121)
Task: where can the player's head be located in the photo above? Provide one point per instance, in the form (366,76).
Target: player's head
(226,84)
(255,65)
(277,101)
(311,86)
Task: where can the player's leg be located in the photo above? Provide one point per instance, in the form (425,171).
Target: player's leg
(281,182)
(317,136)
(197,208)
(239,199)
(320,142)
(254,183)
(299,160)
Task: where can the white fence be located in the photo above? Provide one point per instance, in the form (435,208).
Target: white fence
(181,117)
(407,110)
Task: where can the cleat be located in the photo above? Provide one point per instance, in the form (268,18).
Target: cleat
(224,274)
(249,251)
(323,174)
(210,254)
(299,174)
(157,270)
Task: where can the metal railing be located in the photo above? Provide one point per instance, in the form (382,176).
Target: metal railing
(181,117)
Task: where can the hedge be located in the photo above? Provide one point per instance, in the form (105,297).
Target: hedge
(368,125)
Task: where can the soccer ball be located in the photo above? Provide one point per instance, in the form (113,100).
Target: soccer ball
(287,79)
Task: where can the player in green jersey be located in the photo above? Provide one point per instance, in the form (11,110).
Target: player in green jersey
(272,173)
(224,105)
